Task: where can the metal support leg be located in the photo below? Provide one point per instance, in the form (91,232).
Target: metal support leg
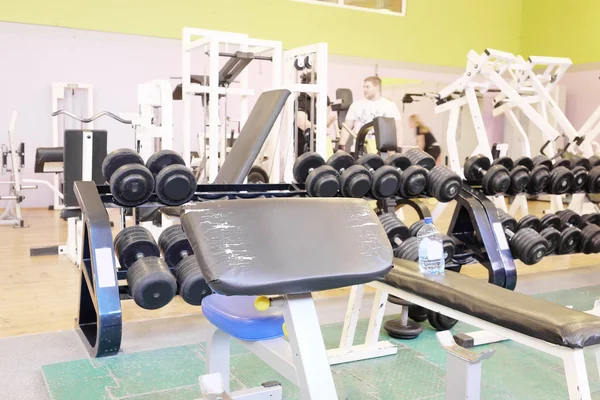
(218,355)
(577,380)
(463,369)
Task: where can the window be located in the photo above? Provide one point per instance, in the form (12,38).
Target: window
(395,7)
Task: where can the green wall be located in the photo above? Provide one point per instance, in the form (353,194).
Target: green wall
(438,32)
(562,28)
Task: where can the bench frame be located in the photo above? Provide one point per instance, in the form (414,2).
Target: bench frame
(573,359)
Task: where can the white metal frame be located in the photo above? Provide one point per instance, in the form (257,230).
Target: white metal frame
(302,359)
(573,359)
(210,42)
(58,93)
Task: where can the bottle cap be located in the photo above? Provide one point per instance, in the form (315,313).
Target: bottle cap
(428,220)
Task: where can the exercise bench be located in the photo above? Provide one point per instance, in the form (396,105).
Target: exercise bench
(249,248)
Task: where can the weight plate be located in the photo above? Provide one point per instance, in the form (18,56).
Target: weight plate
(506,220)
(550,221)
(496,180)
(580,175)
(592,218)
(192,285)
(552,236)
(116,159)
(417,313)
(419,157)
(355,182)
(134,240)
(304,164)
(175,185)
(399,161)
(561,180)
(258,175)
(449,249)
(408,250)
(386,182)
(413,181)
(173,242)
(323,181)
(131,185)
(443,184)
(569,240)
(395,329)
(539,178)
(474,167)
(578,161)
(594,161)
(394,228)
(542,160)
(519,179)
(590,239)
(528,246)
(562,162)
(570,217)
(416,227)
(151,283)
(529,221)
(525,162)
(593,183)
(340,161)
(371,161)
(439,321)
(506,162)
(162,159)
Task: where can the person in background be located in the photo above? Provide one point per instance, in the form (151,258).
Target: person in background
(363,111)
(425,139)
(306,113)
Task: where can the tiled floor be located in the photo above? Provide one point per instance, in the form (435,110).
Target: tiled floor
(416,372)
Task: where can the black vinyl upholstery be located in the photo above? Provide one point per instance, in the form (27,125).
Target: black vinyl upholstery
(45,155)
(385,133)
(286,246)
(240,159)
(528,315)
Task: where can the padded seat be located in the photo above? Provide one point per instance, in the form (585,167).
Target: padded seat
(237,316)
(286,246)
(528,315)
(49,159)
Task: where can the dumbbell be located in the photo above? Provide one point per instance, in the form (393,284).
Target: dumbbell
(405,246)
(526,244)
(442,183)
(549,233)
(593,181)
(413,178)
(594,161)
(131,183)
(448,242)
(590,233)
(178,254)
(175,182)
(593,218)
(561,178)
(386,179)
(494,179)
(151,283)
(579,166)
(518,174)
(355,180)
(539,175)
(321,180)
(569,237)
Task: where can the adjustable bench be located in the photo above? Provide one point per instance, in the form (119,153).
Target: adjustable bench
(249,248)
(539,324)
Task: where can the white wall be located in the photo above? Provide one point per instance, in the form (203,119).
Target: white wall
(35,56)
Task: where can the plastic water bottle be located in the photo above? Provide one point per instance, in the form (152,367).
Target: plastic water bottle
(431,249)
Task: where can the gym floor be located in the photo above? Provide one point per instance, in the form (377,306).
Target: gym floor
(39,295)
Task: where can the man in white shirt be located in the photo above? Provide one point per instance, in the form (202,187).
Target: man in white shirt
(365,110)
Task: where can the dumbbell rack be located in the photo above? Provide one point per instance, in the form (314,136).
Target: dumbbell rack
(99,321)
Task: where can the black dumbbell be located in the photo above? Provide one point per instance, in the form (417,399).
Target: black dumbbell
(579,167)
(593,218)
(529,221)
(561,178)
(151,283)
(551,234)
(405,246)
(519,175)
(539,175)
(526,244)
(320,179)
(413,178)
(355,180)
(494,179)
(577,161)
(569,237)
(175,182)
(448,242)
(257,175)
(178,254)
(594,161)
(131,183)
(403,328)
(442,183)
(386,179)
(593,181)
(590,233)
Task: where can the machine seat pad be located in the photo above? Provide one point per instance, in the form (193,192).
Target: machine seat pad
(518,312)
(236,316)
(45,155)
(286,246)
